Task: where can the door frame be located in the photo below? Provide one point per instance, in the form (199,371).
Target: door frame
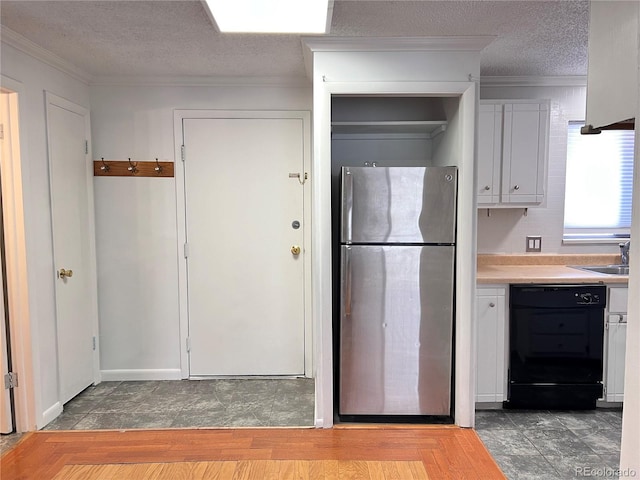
(464,368)
(178,117)
(22,326)
(52,100)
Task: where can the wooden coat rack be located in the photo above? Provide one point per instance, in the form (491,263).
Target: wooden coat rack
(129,168)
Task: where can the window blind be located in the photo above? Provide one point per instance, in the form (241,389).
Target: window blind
(599,183)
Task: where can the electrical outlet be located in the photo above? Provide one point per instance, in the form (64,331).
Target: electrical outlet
(534,243)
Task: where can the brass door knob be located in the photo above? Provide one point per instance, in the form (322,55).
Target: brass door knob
(295,250)
(65,273)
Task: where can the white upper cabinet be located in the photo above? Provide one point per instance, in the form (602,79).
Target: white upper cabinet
(612,80)
(513,138)
(489,153)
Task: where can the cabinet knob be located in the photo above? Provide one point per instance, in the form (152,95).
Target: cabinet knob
(516,187)
(492,304)
(487,187)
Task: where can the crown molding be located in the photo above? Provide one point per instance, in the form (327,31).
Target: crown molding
(199,81)
(26,46)
(396,44)
(534,81)
(314,44)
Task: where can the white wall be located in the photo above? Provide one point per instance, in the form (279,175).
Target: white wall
(504,231)
(137,250)
(37,77)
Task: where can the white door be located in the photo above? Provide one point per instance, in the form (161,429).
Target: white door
(243,218)
(74,260)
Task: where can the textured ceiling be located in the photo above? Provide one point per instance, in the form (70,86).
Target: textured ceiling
(151,38)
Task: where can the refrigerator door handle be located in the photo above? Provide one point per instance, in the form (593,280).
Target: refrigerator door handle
(347,206)
(347,281)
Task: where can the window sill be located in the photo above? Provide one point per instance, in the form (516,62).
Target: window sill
(593,240)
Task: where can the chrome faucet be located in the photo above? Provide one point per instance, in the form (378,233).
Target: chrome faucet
(624,253)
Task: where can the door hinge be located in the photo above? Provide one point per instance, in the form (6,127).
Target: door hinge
(10,380)
(94,343)
(1,131)
(186,250)
(604,392)
(606,324)
(86,147)
(188,344)
(182,152)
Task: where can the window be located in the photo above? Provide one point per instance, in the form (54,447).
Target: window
(599,183)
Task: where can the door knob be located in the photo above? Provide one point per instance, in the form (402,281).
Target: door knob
(295,250)
(65,273)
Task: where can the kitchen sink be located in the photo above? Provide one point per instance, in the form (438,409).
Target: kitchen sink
(608,269)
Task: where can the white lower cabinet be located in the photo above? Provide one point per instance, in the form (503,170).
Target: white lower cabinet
(616,348)
(615,343)
(491,344)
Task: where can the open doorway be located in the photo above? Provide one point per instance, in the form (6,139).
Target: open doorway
(7,409)
(18,407)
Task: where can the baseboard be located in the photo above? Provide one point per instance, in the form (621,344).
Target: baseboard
(50,414)
(489,398)
(488,405)
(141,374)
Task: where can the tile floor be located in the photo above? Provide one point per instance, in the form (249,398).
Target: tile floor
(190,403)
(8,441)
(186,404)
(545,445)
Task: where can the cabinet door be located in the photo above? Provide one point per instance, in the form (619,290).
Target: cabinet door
(616,348)
(489,153)
(524,152)
(618,298)
(490,346)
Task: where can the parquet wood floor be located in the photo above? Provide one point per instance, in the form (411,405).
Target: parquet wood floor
(445,453)
(249,470)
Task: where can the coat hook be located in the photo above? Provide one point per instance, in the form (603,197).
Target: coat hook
(105,168)
(158,168)
(132,167)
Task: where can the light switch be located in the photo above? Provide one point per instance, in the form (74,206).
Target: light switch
(534,243)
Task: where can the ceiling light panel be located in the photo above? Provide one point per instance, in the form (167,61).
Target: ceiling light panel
(270,16)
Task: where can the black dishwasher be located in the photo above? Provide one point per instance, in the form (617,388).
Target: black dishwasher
(555,346)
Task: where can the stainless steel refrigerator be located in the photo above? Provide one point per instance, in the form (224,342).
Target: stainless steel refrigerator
(397,290)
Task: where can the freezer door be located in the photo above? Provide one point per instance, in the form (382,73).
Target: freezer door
(396,330)
(398,204)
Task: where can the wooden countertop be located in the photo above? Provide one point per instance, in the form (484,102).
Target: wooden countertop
(505,269)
